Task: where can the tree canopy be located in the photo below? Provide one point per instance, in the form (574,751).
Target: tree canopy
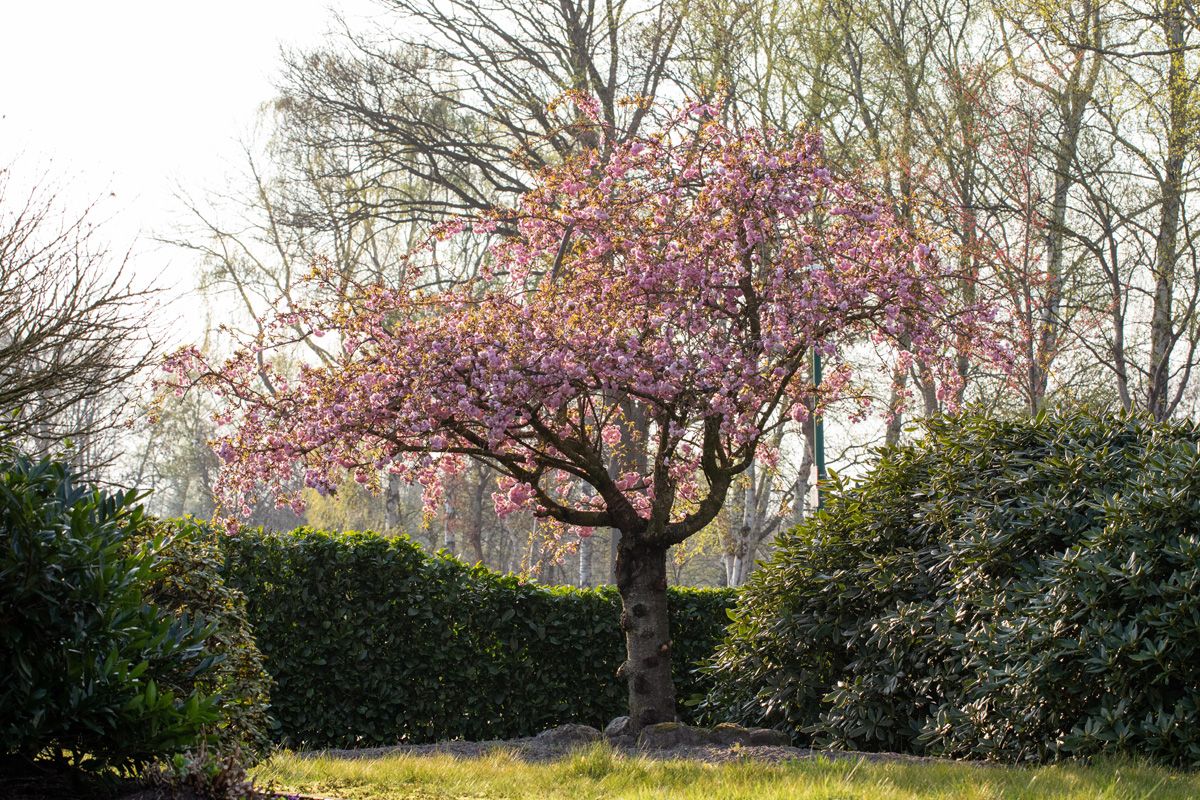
(685,275)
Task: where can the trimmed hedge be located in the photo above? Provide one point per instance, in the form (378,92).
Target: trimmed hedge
(370,641)
(1021,590)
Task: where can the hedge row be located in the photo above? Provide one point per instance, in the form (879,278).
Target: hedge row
(371,641)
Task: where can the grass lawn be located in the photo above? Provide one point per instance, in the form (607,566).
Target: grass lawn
(599,773)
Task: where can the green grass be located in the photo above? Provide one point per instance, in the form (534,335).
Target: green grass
(599,773)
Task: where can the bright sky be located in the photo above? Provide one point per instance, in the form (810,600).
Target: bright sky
(141,97)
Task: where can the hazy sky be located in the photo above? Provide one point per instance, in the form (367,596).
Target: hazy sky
(135,97)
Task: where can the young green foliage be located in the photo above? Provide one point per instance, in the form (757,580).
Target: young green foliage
(188,581)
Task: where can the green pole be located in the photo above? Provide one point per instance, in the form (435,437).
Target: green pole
(818,431)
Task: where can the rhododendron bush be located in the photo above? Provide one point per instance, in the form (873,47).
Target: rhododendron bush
(655,307)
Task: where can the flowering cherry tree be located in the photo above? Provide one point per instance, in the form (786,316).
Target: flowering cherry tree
(682,279)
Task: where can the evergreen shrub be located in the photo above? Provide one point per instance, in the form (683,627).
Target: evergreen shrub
(83,651)
(1013,590)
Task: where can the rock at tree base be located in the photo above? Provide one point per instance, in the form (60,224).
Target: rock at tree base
(618,727)
(727,733)
(668,735)
(569,735)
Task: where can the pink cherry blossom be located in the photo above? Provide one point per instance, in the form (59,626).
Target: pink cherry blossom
(687,276)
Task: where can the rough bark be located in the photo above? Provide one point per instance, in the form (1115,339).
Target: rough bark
(642,583)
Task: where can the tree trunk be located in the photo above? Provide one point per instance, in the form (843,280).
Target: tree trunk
(751,522)
(474,532)
(614,539)
(803,485)
(391,504)
(895,423)
(743,565)
(585,562)
(642,583)
(448,531)
(1162,322)
(1072,103)
(731,559)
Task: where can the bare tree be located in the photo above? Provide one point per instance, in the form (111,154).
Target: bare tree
(74,329)
(1125,205)
(1048,148)
(454,114)
(1037,148)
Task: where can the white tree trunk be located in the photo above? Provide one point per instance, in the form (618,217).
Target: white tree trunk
(585,562)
